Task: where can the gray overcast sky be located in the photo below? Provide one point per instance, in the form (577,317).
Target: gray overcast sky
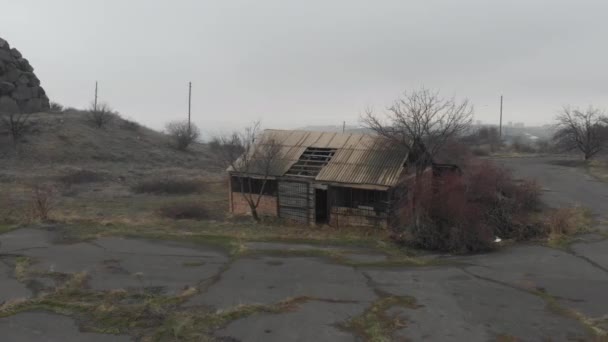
(298,63)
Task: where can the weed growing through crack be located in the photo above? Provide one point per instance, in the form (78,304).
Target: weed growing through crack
(22,265)
(375,324)
(554,305)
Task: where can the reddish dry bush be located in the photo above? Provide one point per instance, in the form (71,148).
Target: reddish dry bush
(465,213)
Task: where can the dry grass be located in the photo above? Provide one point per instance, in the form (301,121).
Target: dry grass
(561,224)
(69,138)
(42,197)
(375,324)
(80,176)
(192,210)
(170,185)
(599,169)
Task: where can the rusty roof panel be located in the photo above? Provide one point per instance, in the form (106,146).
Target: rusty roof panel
(359,159)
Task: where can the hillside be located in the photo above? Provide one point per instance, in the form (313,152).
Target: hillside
(69,138)
(90,175)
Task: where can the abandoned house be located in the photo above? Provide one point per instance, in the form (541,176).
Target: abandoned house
(340,179)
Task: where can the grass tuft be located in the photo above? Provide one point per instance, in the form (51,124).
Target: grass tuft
(564,223)
(375,324)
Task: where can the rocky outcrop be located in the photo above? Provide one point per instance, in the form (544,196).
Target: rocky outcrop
(20,89)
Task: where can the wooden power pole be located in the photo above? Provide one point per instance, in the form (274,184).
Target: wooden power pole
(500,125)
(189,105)
(95,102)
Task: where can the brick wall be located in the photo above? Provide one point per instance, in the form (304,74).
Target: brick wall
(351,217)
(267,206)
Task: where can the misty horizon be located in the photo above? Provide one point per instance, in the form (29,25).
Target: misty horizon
(292,65)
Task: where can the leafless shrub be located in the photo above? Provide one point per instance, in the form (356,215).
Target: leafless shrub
(521,145)
(42,196)
(182,134)
(16,122)
(244,153)
(172,186)
(485,136)
(56,108)
(481,151)
(101,115)
(586,131)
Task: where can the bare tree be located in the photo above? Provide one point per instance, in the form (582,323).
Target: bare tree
(182,134)
(247,153)
(421,122)
(56,107)
(15,121)
(586,131)
(101,115)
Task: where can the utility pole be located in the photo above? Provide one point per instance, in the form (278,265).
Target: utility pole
(95,102)
(500,126)
(343,126)
(189,104)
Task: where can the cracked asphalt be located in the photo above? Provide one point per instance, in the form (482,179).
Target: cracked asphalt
(527,292)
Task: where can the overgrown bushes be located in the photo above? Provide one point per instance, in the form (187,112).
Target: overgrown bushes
(169,185)
(182,134)
(101,115)
(466,213)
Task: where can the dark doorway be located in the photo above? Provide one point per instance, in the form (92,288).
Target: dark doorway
(321,208)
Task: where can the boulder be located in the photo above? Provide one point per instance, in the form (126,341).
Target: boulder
(45,101)
(19,87)
(32,106)
(16,54)
(22,93)
(34,81)
(24,79)
(24,64)
(8,105)
(6,88)
(13,74)
(6,56)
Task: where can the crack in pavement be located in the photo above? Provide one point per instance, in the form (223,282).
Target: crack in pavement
(93,243)
(549,300)
(588,260)
(203,288)
(26,249)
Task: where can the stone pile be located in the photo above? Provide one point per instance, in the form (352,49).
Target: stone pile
(20,90)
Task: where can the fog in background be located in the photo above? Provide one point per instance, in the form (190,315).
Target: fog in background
(299,63)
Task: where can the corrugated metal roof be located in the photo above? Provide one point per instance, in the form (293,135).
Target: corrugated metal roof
(359,159)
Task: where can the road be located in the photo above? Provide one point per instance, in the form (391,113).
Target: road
(524,292)
(563,185)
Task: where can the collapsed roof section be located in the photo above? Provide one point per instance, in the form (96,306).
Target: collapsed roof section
(348,158)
